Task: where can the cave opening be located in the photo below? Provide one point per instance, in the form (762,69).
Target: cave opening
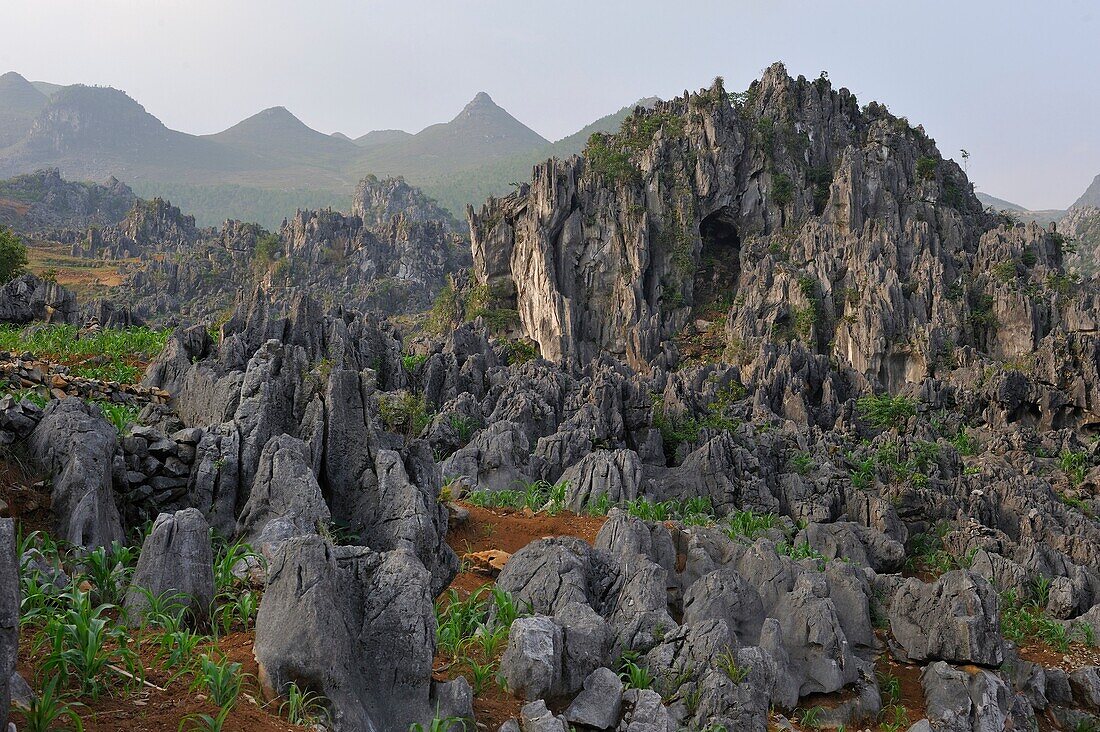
(715,284)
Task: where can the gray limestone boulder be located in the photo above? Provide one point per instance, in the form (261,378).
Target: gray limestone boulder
(600,703)
(644,712)
(531,665)
(725,595)
(9,613)
(549,574)
(535,717)
(616,474)
(176,560)
(77,446)
(285,493)
(356,625)
(586,644)
(962,700)
(954,619)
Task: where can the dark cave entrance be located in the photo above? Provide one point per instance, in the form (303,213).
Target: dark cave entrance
(715,284)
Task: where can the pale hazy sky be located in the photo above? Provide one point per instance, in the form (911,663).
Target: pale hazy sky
(1016,83)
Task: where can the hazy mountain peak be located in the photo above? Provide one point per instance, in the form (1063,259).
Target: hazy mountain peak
(1091,196)
(482,105)
(18,94)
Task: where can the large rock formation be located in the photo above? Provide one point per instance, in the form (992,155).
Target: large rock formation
(9,613)
(29,298)
(150,227)
(45,204)
(391,253)
(788,212)
(176,562)
(354,624)
(77,446)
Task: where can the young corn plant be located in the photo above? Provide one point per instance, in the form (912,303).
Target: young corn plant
(201,722)
(303,707)
(237,610)
(164,611)
(177,649)
(108,570)
(83,645)
(490,640)
(220,679)
(439,724)
(48,712)
(227,558)
(634,675)
(481,674)
(458,620)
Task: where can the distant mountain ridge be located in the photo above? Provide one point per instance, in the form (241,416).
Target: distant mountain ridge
(999,203)
(20,102)
(1091,196)
(266,165)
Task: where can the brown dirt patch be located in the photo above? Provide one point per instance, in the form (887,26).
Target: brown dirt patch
(507,530)
(86,277)
(162,703)
(1077,656)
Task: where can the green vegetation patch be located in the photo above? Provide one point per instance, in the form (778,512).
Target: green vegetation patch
(110,354)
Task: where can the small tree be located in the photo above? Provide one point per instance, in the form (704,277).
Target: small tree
(13,256)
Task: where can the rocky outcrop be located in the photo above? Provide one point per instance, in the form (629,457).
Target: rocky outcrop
(77,446)
(956,619)
(176,563)
(45,204)
(149,227)
(354,624)
(29,298)
(9,613)
(286,499)
(390,254)
(754,211)
(319,378)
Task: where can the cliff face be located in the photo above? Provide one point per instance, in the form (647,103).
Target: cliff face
(787,212)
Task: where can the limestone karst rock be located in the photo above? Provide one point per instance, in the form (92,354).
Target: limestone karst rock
(78,447)
(9,613)
(355,624)
(176,562)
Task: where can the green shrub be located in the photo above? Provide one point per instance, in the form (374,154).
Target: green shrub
(608,163)
(404,413)
(268,249)
(13,256)
(1075,464)
(885,411)
(444,315)
(520,351)
(1005,271)
(782,189)
(801,463)
(926,168)
(413,361)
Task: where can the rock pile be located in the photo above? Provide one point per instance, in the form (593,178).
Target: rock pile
(54,381)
